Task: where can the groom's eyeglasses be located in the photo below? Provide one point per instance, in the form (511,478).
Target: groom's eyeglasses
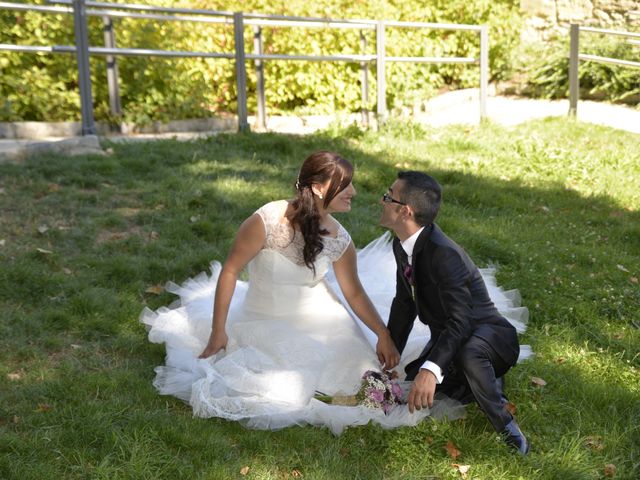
(386,198)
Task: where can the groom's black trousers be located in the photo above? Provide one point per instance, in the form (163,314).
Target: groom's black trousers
(475,374)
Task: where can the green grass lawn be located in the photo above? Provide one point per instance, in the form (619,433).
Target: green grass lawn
(86,241)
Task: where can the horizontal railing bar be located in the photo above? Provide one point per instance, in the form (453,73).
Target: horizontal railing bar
(37,8)
(148,8)
(157,16)
(251,18)
(609,32)
(27,48)
(634,42)
(132,52)
(308,24)
(432,59)
(218,20)
(274,20)
(126,52)
(440,26)
(598,59)
(330,58)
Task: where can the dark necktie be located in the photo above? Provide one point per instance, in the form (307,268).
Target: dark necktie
(407,269)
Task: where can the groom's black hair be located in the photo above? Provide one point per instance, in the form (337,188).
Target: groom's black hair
(423,193)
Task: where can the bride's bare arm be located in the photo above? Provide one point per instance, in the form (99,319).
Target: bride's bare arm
(248,242)
(346,270)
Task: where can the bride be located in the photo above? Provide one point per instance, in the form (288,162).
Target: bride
(301,324)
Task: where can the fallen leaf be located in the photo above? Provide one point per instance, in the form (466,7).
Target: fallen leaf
(511,408)
(618,336)
(622,267)
(43,251)
(633,279)
(560,360)
(462,469)
(155,289)
(54,187)
(2,242)
(194,218)
(452,450)
(2,191)
(14,376)
(609,470)
(295,473)
(244,470)
(429,440)
(67,271)
(75,346)
(15,419)
(43,229)
(538,382)
(154,235)
(595,443)
(543,209)
(43,407)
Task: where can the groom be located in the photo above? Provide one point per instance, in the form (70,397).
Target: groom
(472,346)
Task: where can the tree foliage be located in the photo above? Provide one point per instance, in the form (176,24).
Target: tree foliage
(44,86)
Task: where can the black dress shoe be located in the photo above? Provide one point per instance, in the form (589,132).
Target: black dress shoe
(514,437)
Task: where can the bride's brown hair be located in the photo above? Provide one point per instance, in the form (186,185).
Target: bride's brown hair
(304,216)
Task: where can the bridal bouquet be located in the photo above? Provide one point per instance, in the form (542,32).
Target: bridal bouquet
(378,390)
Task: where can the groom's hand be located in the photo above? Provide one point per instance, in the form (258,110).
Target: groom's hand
(422,391)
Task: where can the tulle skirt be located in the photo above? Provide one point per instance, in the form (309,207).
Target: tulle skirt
(275,361)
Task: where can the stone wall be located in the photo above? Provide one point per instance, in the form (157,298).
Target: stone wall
(547,18)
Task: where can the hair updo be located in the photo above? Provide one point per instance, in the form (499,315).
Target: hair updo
(318,168)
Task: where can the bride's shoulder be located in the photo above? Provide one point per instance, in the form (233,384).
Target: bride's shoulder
(340,232)
(273,211)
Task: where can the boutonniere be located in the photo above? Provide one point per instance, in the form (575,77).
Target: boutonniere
(407,271)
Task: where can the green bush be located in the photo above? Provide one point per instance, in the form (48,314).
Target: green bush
(548,73)
(44,87)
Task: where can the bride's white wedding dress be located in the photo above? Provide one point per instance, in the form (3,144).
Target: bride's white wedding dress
(290,335)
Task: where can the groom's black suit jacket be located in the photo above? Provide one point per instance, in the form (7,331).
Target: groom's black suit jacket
(451,298)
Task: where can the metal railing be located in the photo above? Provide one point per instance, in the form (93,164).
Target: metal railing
(575,57)
(81,9)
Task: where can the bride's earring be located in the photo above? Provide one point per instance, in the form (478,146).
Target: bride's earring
(320,196)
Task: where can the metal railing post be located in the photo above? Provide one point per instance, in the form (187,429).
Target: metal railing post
(84,73)
(112,68)
(484,70)
(574,80)
(257,48)
(380,71)
(241,71)
(364,90)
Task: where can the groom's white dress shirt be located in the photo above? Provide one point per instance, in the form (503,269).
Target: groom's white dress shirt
(407,246)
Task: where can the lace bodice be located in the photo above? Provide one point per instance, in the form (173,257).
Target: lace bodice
(282,238)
